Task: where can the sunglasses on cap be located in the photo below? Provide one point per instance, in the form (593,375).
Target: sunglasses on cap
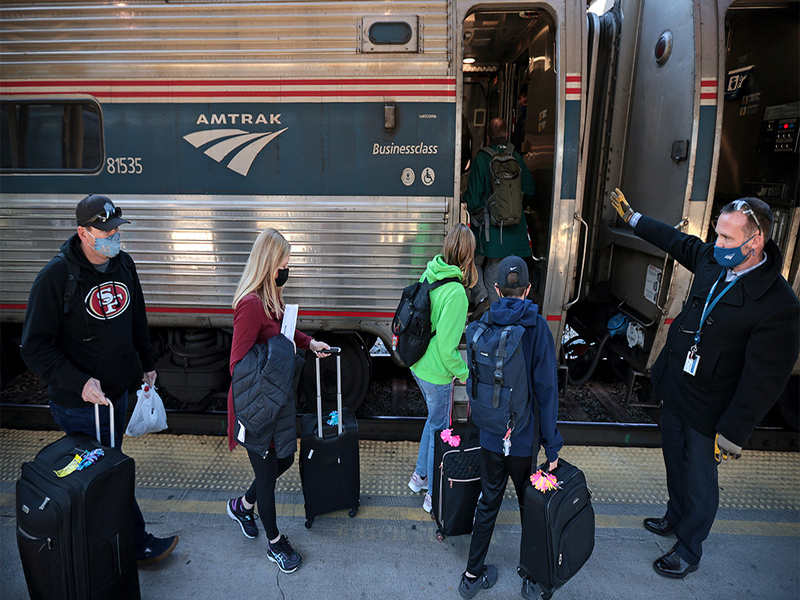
(103,216)
(743,207)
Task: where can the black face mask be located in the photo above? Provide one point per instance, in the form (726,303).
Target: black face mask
(283,275)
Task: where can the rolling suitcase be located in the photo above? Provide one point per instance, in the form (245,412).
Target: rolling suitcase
(456,479)
(557,530)
(75,533)
(329,465)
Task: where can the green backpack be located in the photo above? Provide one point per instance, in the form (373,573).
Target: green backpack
(504,206)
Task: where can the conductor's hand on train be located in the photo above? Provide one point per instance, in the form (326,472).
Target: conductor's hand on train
(150,378)
(621,205)
(725,449)
(92,392)
(318,348)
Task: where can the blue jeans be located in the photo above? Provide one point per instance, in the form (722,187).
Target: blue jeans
(75,420)
(437,397)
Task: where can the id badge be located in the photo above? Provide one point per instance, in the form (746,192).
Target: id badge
(692,360)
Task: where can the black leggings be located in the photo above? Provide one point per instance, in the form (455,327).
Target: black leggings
(267,470)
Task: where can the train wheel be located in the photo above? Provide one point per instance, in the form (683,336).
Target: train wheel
(356,373)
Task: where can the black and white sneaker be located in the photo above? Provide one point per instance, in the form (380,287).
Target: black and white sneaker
(246,518)
(485,580)
(283,555)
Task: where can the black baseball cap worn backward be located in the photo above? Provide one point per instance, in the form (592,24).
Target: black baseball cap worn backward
(512,265)
(98,212)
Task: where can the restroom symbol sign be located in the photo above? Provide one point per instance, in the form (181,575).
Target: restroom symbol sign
(408,176)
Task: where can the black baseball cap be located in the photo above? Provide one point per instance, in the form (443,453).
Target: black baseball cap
(98,212)
(512,273)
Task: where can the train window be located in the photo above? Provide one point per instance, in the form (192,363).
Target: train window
(390,34)
(50,137)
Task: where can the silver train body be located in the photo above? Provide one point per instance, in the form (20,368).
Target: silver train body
(350,127)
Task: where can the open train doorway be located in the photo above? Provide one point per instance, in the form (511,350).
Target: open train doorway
(509,72)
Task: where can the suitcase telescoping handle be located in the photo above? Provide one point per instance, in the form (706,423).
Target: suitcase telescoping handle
(338,353)
(110,421)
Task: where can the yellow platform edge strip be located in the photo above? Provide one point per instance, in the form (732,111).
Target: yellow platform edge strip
(399,513)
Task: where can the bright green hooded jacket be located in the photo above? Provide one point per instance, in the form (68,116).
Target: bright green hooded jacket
(442,361)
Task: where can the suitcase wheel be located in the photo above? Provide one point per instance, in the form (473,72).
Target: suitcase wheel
(353,512)
(547,595)
(309,522)
(439,536)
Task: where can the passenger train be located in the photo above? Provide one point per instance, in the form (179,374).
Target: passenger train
(351,127)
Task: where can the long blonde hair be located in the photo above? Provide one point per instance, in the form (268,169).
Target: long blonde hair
(459,250)
(269,251)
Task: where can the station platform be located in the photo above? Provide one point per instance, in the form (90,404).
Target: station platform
(389,550)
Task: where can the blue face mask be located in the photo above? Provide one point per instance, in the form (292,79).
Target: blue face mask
(731,257)
(109,246)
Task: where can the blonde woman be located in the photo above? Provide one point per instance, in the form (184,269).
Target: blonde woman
(258,311)
(442,361)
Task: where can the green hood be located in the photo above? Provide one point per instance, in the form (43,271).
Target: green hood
(438,269)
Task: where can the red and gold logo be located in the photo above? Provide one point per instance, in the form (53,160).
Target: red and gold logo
(107,300)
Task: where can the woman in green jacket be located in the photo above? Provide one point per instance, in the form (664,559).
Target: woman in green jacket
(442,361)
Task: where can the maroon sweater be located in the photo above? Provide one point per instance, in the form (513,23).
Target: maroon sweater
(251,326)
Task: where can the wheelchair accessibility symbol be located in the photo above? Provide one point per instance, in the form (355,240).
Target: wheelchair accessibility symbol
(428,176)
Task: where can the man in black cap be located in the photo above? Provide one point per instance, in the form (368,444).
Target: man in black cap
(511,455)
(84,327)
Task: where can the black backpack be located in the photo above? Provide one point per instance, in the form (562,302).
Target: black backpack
(498,386)
(411,326)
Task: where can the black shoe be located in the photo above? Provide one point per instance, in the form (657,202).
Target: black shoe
(659,526)
(157,550)
(487,579)
(672,565)
(530,589)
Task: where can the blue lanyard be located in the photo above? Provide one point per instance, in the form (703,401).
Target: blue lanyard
(709,306)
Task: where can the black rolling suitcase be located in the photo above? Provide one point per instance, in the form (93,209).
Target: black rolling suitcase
(75,533)
(557,530)
(329,466)
(456,480)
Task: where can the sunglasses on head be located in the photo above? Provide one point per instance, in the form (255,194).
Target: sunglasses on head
(104,216)
(743,207)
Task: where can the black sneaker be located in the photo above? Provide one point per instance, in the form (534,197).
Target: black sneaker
(157,550)
(283,555)
(246,518)
(487,579)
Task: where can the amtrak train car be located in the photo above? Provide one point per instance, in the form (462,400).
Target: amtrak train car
(351,127)
(339,123)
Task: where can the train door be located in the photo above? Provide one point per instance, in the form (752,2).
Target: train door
(524,65)
(759,152)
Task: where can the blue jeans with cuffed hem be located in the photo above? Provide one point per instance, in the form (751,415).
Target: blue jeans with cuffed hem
(75,420)
(437,397)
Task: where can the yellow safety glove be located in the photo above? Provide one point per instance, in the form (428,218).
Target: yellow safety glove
(725,449)
(621,205)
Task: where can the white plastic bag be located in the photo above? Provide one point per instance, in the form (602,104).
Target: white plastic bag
(149,414)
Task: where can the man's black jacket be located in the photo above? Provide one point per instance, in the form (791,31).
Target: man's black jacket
(750,340)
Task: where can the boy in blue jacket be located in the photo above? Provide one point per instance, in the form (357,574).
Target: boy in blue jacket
(513,308)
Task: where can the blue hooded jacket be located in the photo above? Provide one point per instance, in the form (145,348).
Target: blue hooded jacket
(539,350)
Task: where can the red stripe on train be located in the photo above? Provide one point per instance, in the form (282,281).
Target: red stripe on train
(230,82)
(304,313)
(261,94)
(553,317)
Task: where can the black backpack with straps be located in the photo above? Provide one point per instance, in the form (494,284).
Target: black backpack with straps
(411,326)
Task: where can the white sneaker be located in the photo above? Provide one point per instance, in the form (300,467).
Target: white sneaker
(417,483)
(427,505)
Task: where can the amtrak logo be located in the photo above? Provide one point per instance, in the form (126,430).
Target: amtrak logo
(230,140)
(107,300)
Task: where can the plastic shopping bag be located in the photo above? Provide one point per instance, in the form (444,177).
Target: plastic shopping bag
(149,414)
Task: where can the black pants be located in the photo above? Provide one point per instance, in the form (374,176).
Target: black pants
(495,471)
(267,470)
(692,483)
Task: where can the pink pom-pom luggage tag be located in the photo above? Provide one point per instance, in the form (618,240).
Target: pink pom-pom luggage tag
(544,482)
(453,440)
